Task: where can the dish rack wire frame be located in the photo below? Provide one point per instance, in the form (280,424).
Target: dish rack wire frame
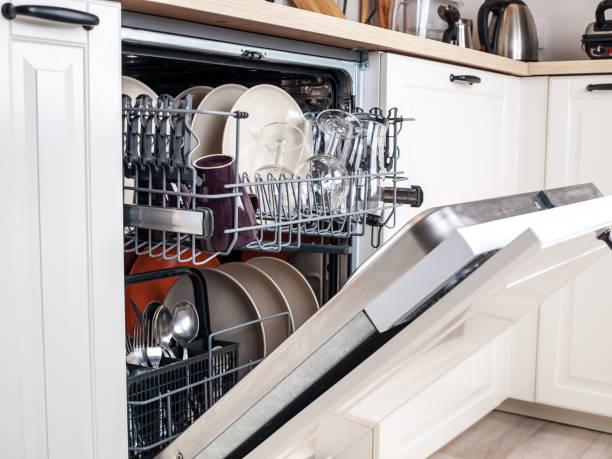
(157,144)
(168,408)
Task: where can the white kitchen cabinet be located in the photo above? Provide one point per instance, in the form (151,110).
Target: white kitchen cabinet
(574,334)
(466,142)
(63,393)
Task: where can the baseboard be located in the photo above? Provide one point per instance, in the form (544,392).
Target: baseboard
(556,414)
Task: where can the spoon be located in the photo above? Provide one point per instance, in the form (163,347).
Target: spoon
(185,322)
(162,323)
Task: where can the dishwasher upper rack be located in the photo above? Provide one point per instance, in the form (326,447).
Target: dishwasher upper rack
(163,212)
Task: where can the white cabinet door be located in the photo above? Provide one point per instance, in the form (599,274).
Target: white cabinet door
(464,144)
(63,393)
(574,338)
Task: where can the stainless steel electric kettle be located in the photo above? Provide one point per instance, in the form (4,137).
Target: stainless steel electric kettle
(507,28)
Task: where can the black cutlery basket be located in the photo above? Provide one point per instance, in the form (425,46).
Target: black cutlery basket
(163,402)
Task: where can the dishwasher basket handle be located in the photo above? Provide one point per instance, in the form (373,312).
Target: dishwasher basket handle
(51,13)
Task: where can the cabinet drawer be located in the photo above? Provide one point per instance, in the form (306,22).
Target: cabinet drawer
(41,29)
(436,75)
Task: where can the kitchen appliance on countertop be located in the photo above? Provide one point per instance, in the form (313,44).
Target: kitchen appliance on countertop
(445,266)
(419,17)
(459,31)
(459,34)
(507,28)
(597,38)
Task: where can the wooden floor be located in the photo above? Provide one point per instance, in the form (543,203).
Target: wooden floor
(502,435)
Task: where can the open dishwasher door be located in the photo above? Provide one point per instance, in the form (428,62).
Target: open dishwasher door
(399,310)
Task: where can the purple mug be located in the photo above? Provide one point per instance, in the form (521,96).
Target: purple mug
(217,171)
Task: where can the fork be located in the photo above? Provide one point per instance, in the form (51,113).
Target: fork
(153,347)
(139,344)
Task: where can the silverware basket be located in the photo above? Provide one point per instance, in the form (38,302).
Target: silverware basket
(163,402)
(164,215)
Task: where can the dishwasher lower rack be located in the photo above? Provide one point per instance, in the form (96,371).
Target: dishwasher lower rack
(168,214)
(163,402)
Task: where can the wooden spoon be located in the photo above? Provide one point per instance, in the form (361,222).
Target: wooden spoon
(382,13)
(364,10)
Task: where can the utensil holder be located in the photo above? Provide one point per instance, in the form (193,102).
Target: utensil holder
(163,402)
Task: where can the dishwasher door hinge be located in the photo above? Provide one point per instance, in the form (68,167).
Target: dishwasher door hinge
(252,55)
(364,60)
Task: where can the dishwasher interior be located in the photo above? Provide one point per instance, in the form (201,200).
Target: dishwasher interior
(172,213)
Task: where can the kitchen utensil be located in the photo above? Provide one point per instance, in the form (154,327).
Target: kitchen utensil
(230,305)
(152,355)
(268,299)
(382,13)
(597,38)
(154,351)
(129,343)
(302,300)
(139,355)
(185,322)
(419,17)
(143,293)
(507,28)
(163,325)
(134,88)
(216,172)
(209,128)
(460,34)
(197,93)
(328,7)
(364,10)
(265,104)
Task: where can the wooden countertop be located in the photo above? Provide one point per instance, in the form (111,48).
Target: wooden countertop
(267,18)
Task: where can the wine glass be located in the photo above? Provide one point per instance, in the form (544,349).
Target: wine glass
(341,129)
(286,142)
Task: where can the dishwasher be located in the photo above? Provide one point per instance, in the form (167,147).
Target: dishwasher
(445,269)
(396,313)
(167,223)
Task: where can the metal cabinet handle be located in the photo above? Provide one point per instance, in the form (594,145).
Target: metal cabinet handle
(51,13)
(599,87)
(470,79)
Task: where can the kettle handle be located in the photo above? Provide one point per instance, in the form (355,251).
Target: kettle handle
(600,16)
(488,7)
(450,35)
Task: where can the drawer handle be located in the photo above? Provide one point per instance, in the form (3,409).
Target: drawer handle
(51,13)
(599,87)
(470,79)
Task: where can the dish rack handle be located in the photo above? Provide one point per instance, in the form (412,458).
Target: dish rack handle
(199,291)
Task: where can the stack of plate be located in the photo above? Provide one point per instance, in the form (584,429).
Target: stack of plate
(238,294)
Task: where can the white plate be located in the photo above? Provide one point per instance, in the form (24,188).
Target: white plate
(268,299)
(302,300)
(198,93)
(133,88)
(265,104)
(229,305)
(209,128)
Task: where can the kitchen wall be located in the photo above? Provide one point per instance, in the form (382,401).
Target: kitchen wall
(560,23)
